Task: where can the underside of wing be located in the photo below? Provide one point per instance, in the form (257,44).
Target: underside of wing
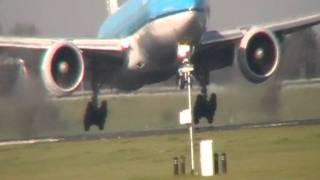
(257,47)
(215,38)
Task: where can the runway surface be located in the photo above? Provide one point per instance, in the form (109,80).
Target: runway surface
(158,132)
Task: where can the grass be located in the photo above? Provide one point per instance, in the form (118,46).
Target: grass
(246,103)
(278,153)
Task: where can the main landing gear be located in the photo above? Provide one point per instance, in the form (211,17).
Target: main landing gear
(95,115)
(203,107)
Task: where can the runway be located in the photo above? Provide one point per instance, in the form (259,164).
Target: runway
(31,141)
(159,132)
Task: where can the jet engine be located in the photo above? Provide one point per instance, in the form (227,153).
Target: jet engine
(62,68)
(259,55)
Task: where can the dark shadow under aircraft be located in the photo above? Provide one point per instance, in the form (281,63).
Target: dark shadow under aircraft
(138,45)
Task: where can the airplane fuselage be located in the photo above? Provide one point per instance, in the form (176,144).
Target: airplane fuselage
(153,28)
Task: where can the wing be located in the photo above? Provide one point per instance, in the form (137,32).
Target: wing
(283,28)
(66,57)
(107,45)
(257,47)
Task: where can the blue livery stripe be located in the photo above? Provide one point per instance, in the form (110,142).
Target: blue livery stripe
(134,14)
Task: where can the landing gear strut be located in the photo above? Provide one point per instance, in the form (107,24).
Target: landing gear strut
(95,115)
(204,107)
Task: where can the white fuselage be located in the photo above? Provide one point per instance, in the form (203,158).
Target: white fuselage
(153,48)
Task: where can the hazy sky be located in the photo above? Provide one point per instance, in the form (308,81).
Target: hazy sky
(78,18)
(230,13)
(74,18)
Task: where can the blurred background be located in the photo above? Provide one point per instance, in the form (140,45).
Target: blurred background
(292,94)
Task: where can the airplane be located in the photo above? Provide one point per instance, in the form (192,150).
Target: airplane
(139,44)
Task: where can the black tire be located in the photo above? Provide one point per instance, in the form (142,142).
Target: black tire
(213,107)
(199,108)
(88,116)
(210,119)
(102,114)
(195,116)
(182,84)
(196,120)
(213,102)
(101,126)
(86,127)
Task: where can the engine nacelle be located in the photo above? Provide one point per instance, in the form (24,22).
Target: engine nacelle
(259,54)
(62,68)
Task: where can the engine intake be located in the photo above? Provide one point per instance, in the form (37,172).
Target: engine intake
(259,55)
(62,68)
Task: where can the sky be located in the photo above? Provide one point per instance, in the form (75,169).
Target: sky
(82,18)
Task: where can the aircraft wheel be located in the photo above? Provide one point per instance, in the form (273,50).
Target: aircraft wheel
(86,126)
(102,114)
(88,116)
(181,83)
(210,119)
(196,120)
(213,107)
(198,109)
(101,126)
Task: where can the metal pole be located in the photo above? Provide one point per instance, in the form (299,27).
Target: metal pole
(191,125)
(185,51)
